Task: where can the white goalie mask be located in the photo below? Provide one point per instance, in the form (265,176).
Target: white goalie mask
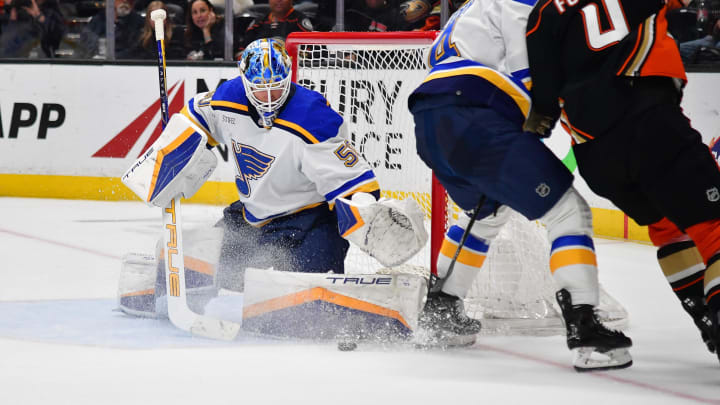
(265,67)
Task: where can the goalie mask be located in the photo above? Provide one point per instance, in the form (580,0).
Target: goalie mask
(265,69)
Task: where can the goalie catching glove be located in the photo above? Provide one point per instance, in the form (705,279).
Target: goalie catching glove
(178,162)
(391,231)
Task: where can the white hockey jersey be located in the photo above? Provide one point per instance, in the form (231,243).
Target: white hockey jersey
(482,50)
(301,162)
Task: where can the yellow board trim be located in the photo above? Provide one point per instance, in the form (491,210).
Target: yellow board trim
(607,223)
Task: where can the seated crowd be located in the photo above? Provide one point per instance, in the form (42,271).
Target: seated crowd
(194,29)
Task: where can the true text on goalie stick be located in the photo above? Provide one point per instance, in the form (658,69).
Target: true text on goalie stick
(178,310)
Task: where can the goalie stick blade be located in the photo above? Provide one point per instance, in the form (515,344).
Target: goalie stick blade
(587,359)
(215,328)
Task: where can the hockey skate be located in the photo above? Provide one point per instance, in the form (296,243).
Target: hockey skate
(443,323)
(598,348)
(696,308)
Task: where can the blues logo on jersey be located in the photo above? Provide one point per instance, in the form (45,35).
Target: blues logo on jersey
(252,164)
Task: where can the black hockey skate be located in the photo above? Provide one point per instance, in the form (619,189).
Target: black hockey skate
(590,337)
(446,312)
(695,307)
(443,323)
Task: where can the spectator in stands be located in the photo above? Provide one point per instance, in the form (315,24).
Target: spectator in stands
(386,15)
(432,19)
(707,48)
(141,5)
(128,26)
(277,24)
(205,32)
(146,48)
(32,24)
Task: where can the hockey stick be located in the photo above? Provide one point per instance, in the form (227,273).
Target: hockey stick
(436,283)
(179,312)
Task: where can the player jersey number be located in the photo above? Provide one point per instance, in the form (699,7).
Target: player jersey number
(598,39)
(444,47)
(347,154)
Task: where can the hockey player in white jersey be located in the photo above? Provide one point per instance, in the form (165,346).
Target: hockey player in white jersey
(304,191)
(469,112)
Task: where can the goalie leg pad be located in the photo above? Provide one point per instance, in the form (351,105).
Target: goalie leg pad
(142,288)
(178,162)
(392,231)
(331,306)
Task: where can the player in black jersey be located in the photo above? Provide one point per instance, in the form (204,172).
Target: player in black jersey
(612,74)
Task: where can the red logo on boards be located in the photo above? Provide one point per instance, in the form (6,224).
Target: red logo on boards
(121,144)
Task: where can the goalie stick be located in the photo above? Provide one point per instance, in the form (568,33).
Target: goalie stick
(178,310)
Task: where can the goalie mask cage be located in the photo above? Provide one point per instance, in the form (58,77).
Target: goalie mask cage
(367,78)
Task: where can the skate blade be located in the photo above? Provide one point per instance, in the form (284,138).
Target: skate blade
(588,359)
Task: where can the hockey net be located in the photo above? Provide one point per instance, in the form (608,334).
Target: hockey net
(367,78)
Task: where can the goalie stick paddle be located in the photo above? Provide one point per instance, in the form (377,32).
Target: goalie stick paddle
(179,312)
(436,283)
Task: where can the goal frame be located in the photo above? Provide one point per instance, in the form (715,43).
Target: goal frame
(439,212)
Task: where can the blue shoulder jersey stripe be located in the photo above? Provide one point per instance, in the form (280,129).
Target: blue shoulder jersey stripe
(368,176)
(530,3)
(200,119)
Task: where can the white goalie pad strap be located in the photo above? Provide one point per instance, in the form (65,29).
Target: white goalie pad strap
(178,162)
(317,305)
(392,231)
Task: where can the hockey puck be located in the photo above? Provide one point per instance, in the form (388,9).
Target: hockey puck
(347,346)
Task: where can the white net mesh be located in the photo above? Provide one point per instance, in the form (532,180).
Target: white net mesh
(369,84)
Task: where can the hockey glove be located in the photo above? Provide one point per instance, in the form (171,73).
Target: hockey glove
(539,124)
(392,231)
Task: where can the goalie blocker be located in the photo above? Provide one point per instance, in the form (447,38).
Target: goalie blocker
(178,162)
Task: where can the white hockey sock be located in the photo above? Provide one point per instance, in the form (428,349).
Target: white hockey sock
(469,261)
(474,251)
(572,256)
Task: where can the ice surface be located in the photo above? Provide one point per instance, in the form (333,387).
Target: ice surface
(61,343)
